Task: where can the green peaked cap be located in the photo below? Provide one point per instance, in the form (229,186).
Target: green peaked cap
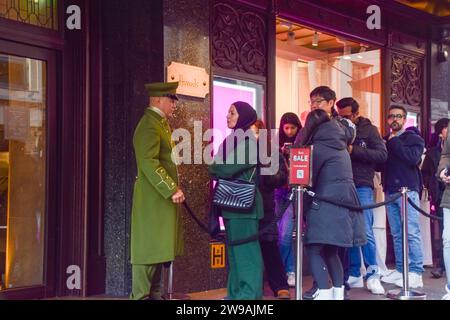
(162,89)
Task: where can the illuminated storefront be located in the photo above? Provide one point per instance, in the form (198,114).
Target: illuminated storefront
(70,99)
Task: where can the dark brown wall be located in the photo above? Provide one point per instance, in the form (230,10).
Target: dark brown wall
(132,56)
(186,40)
(72,126)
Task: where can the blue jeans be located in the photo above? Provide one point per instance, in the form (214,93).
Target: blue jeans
(285,229)
(365,195)
(446,243)
(414,238)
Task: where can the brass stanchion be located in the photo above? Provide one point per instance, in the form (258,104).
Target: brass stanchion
(405,293)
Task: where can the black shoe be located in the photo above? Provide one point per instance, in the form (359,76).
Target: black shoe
(437,273)
(346,295)
(311,293)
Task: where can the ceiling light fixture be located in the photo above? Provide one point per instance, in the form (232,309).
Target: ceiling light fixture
(315,41)
(347,53)
(291,37)
(361,51)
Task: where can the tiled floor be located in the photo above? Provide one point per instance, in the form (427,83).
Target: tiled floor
(433,288)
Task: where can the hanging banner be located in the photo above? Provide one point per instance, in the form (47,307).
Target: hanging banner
(300,171)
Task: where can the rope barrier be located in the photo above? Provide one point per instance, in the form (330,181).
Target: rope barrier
(423,212)
(281,212)
(261,232)
(287,203)
(191,213)
(352,206)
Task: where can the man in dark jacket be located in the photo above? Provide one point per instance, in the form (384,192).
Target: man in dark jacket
(405,149)
(366,152)
(434,186)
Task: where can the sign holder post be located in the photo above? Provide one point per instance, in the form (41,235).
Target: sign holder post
(299,177)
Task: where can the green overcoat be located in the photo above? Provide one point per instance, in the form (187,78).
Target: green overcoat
(156,226)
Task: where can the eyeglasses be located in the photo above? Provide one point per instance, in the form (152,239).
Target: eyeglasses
(318,101)
(396,116)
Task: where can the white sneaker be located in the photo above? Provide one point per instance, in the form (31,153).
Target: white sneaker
(338,293)
(392,278)
(323,294)
(414,279)
(374,285)
(290,279)
(355,282)
(386,272)
(447,295)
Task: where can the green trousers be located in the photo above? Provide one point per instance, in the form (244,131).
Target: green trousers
(245,264)
(146,281)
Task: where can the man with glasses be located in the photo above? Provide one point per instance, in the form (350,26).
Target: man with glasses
(367,151)
(324,97)
(405,149)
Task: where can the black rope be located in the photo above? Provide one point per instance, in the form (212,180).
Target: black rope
(423,212)
(191,213)
(281,212)
(352,206)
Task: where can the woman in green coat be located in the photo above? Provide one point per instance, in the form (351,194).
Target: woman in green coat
(245,265)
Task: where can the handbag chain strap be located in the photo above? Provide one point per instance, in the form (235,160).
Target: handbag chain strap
(251,177)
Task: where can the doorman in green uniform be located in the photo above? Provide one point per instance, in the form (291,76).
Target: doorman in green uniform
(156,226)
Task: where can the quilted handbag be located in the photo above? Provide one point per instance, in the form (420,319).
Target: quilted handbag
(235,193)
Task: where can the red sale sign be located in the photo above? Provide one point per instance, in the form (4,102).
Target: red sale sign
(300,166)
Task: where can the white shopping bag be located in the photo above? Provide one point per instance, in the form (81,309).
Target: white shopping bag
(425,230)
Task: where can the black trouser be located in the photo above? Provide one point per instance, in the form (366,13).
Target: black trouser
(324,263)
(344,256)
(273,265)
(438,243)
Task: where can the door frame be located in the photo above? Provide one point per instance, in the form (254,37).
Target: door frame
(47,289)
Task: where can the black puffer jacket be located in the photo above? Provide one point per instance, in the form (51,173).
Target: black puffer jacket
(332,178)
(267,185)
(368,151)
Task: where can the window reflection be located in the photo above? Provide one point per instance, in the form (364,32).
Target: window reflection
(22,170)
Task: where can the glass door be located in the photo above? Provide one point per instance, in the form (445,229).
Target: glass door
(27,94)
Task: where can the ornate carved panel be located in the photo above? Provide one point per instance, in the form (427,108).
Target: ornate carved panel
(406,42)
(407,80)
(239,39)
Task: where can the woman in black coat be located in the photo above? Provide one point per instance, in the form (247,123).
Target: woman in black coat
(330,226)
